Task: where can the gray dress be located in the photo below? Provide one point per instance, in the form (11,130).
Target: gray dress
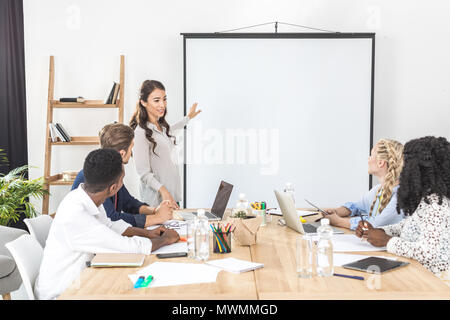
(159,168)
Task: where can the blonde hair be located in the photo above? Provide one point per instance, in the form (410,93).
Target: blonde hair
(390,151)
(117,136)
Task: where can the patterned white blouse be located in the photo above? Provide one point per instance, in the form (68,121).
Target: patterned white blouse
(424,236)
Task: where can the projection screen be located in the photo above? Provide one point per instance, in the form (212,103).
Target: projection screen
(278,108)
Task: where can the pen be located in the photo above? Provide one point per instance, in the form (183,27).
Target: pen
(347,276)
(139,282)
(364,229)
(362,219)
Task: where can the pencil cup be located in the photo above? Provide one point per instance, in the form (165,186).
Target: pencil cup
(263,214)
(304,256)
(221,242)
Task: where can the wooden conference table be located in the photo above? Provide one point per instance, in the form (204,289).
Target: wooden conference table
(275,248)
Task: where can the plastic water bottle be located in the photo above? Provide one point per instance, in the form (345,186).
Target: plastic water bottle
(325,249)
(191,230)
(242,204)
(202,236)
(289,189)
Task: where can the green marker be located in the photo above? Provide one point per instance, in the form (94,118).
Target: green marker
(147,282)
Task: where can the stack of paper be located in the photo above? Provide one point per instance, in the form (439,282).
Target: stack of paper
(235,265)
(172,248)
(173,273)
(350,242)
(179,227)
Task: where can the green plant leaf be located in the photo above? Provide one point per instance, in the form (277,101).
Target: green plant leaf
(15,194)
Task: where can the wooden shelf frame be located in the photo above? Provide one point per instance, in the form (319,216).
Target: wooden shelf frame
(57,179)
(80,141)
(94,104)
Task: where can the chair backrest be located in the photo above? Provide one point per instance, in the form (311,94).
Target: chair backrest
(8,234)
(39,227)
(28,253)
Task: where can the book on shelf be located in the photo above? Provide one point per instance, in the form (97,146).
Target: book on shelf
(110,98)
(116,93)
(57,135)
(63,132)
(79,99)
(53,134)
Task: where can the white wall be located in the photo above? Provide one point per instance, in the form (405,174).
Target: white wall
(412,92)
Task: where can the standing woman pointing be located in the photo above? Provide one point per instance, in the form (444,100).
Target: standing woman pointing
(154,145)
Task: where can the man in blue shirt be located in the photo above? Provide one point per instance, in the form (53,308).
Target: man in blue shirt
(123,205)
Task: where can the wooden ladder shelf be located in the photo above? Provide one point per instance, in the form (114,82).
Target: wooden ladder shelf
(57,179)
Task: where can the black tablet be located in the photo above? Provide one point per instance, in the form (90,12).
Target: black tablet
(376,265)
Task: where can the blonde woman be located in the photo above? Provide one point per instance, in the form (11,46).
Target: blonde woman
(378,206)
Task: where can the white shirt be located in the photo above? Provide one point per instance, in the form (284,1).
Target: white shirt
(79,230)
(159,168)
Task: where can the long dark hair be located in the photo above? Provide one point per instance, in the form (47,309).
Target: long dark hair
(426,171)
(140,116)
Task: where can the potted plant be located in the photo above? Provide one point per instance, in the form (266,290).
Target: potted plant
(15,193)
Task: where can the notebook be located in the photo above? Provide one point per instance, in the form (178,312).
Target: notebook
(117,260)
(376,265)
(235,265)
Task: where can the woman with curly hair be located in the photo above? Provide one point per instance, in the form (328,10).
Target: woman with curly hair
(379,204)
(423,196)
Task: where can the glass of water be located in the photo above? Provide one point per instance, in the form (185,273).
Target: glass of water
(304,256)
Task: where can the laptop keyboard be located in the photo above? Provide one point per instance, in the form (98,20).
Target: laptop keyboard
(210,215)
(309,228)
(190,215)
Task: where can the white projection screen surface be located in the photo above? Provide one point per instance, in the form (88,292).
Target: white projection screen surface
(278,109)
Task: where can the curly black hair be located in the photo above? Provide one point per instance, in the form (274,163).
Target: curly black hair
(102,168)
(426,171)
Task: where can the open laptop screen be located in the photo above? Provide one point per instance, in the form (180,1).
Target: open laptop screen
(222,197)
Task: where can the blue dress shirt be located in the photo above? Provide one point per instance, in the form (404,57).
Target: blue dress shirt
(388,216)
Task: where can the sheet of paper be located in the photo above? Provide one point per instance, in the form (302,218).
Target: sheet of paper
(235,265)
(302,213)
(173,273)
(172,248)
(350,243)
(178,226)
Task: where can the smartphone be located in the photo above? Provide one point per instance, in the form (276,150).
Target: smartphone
(320,210)
(171,255)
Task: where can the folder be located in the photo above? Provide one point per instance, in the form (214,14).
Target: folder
(104,260)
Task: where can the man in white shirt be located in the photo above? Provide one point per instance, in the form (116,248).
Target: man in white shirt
(81,228)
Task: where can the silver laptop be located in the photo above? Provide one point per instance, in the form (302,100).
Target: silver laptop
(219,205)
(292,219)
